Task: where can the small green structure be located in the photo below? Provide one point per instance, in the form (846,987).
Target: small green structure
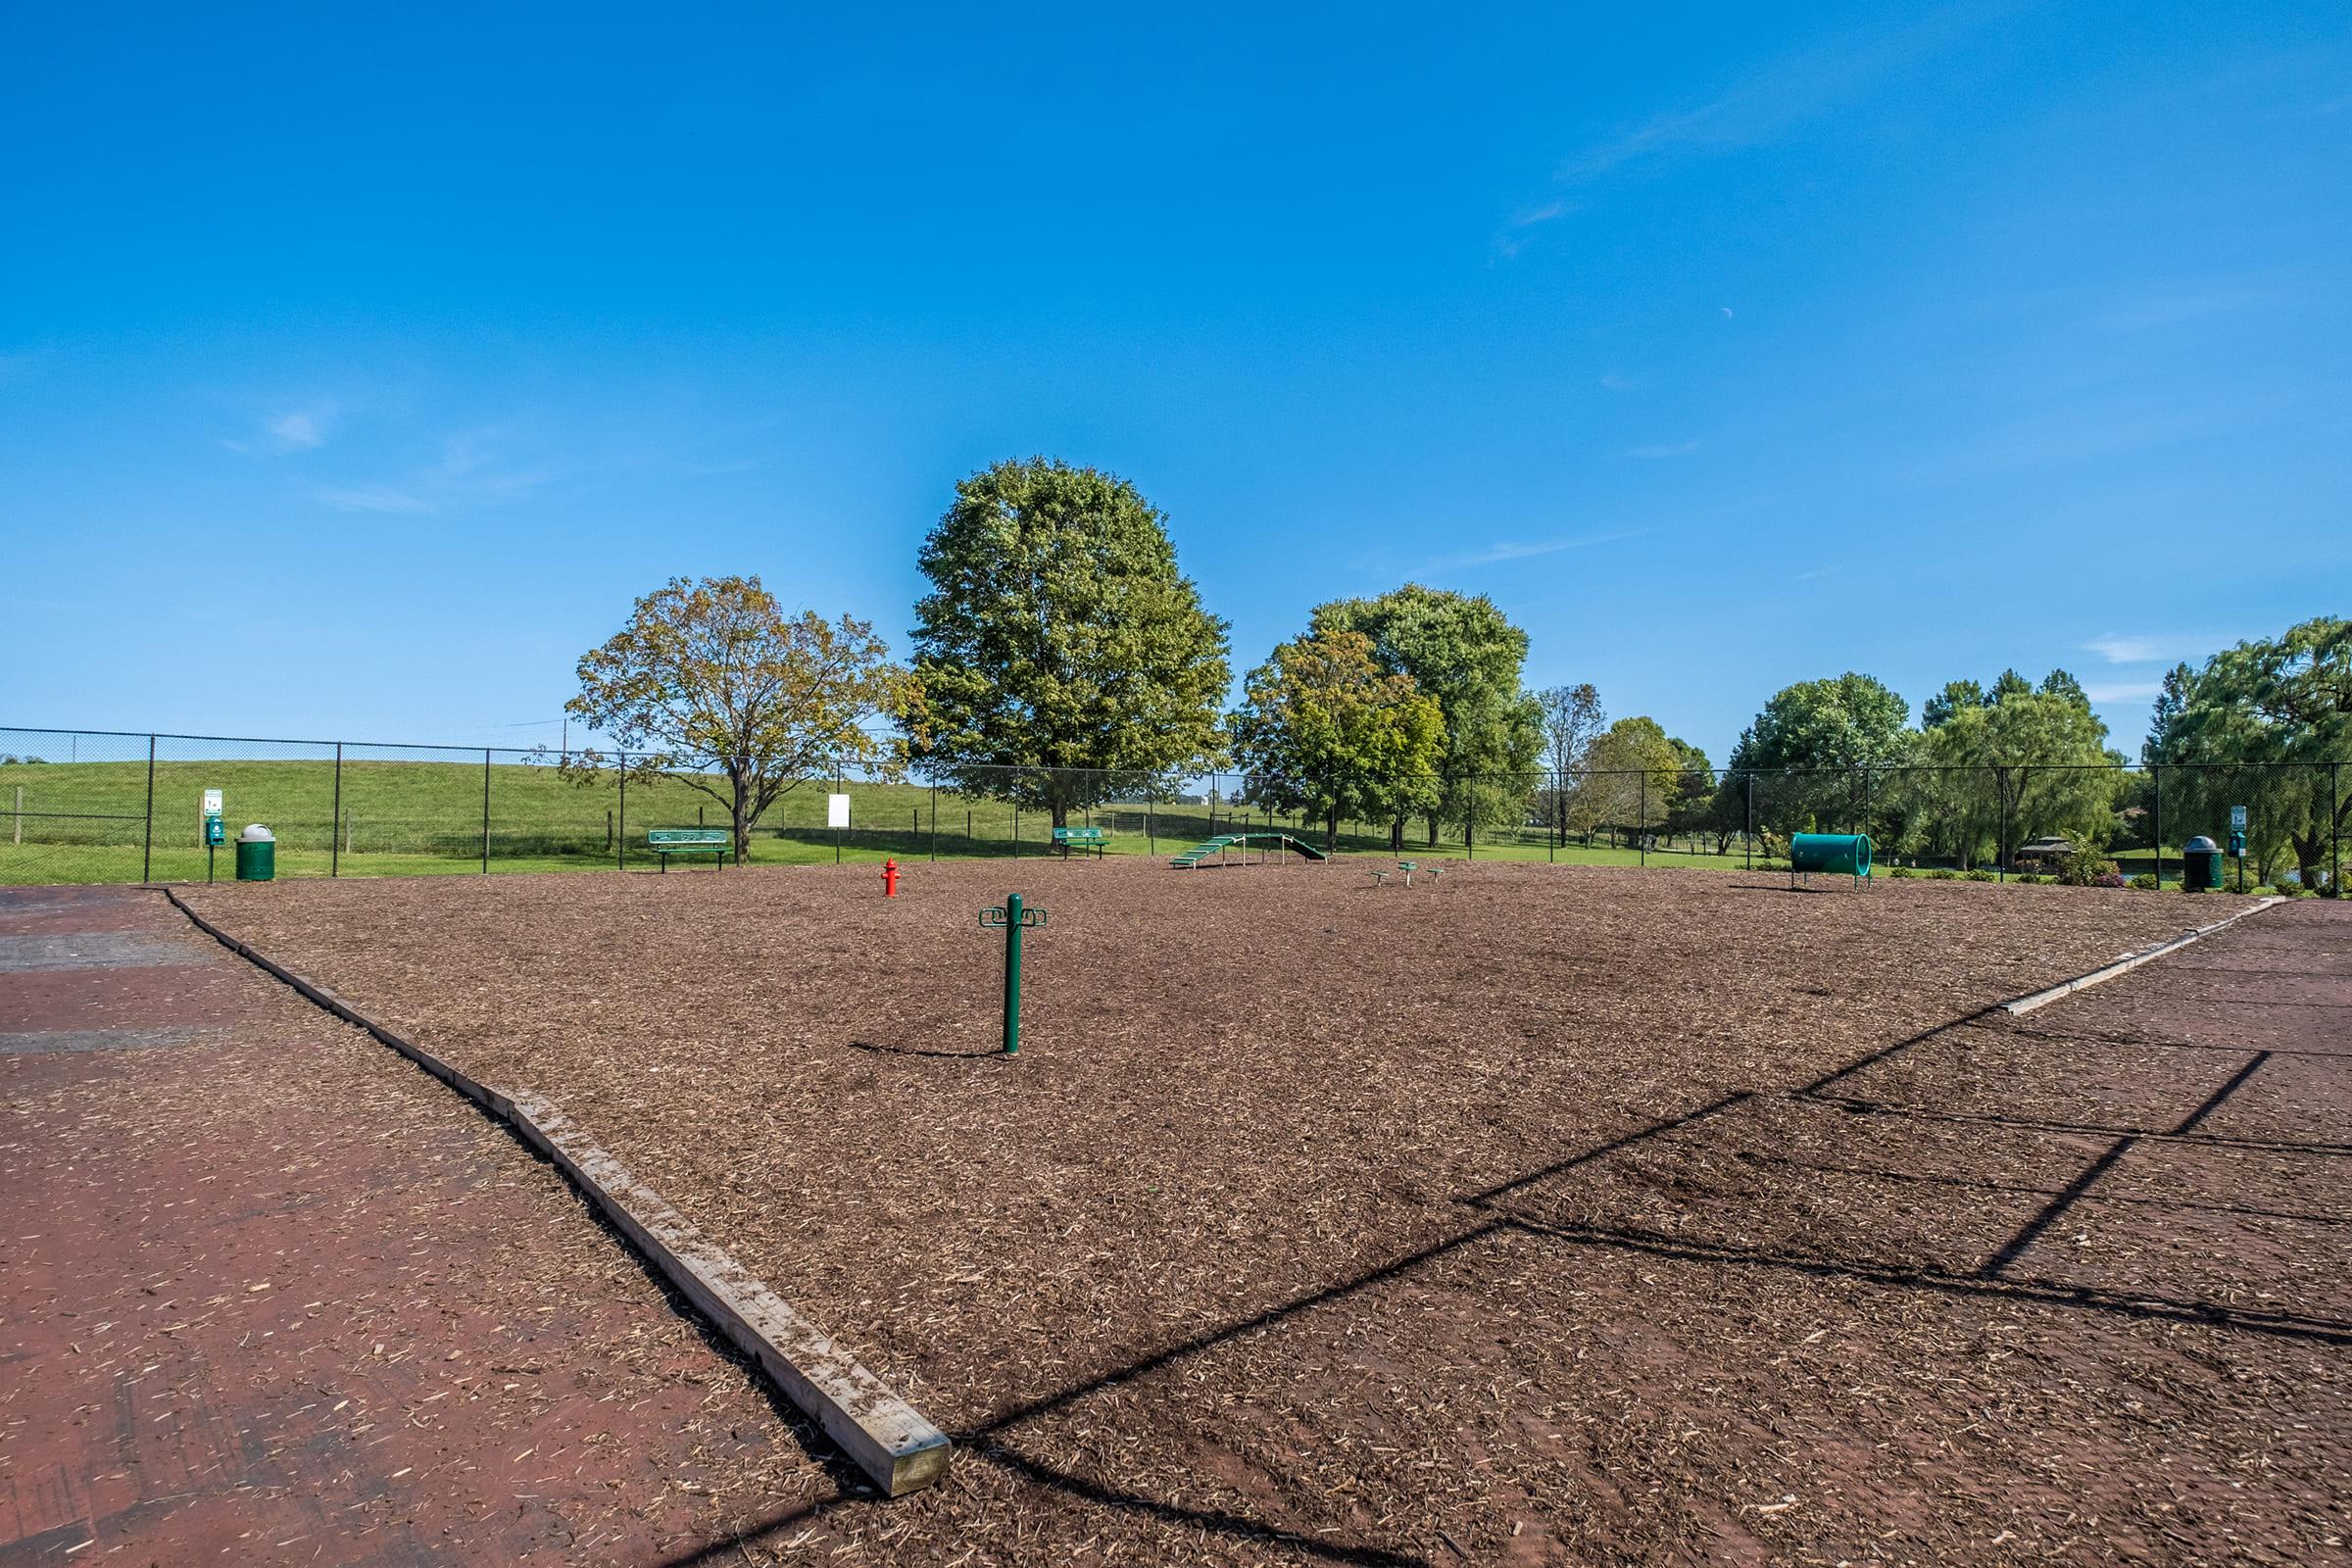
(1067,839)
(1242,840)
(1015,919)
(256,854)
(715,842)
(1838,853)
(2201,865)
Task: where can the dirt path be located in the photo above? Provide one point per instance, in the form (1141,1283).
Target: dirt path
(273,1296)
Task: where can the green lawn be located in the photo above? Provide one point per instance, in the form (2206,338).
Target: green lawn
(86,822)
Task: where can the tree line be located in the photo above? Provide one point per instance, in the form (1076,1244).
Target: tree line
(1062,656)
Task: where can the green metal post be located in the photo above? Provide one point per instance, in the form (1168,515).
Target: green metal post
(1012,974)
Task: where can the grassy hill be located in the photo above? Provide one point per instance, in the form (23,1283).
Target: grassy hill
(84,822)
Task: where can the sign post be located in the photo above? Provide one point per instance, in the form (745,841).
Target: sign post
(1014,918)
(212,829)
(2237,843)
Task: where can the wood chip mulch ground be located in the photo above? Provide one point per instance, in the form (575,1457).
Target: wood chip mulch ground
(1532,1215)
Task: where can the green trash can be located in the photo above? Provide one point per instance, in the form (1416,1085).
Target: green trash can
(2201,865)
(256,854)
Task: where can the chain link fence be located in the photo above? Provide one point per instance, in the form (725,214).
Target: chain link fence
(102,807)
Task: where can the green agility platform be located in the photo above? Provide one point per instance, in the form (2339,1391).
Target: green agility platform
(1242,840)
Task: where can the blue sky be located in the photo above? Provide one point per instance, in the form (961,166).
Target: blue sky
(357,367)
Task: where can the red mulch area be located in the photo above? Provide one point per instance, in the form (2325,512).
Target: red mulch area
(1533,1215)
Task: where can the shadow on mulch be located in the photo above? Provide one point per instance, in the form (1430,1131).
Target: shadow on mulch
(987,1053)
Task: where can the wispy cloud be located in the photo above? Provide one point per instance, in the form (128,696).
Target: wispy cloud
(1765,103)
(1813,575)
(1666,449)
(2177,300)
(293,431)
(2126,691)
(731,466)
(476,467)
(1522,552)
(2150,648)
(1515,229)
(1617,381)
(372,498)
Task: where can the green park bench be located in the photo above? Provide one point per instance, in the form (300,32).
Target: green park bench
(1066,839)
(715,842)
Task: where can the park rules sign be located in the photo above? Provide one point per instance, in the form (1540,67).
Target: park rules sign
(837,810)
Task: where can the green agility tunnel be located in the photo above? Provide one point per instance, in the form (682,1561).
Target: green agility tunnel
(1844,854)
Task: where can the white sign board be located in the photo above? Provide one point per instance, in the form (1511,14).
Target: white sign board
(2238,820)
(837,810)
(212,803)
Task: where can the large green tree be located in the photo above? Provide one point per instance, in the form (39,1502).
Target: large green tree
(1465,653)
(1573,719)
(1634,776)
(2267,724)
(1822,752)
(712,684)
(2030,763)
(1323,729)
(1059,636)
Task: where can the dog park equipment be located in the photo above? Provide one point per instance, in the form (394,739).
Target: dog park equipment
(1226,840)
(1839,853)
(669,841)
(257,854)
(1014,918)
(890,879)
(2201,865)
(1066,839)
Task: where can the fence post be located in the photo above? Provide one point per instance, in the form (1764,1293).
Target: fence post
(620,840)
(334,822)
(146,837)
(2156,780)
(1151,828)
(2335,829)
(1642,823)
(935,819)
(486,810)
(1747,838)
(2000,847)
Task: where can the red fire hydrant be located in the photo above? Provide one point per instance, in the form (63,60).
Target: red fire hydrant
(890,879)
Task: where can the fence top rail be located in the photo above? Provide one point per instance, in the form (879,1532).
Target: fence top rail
(846,765)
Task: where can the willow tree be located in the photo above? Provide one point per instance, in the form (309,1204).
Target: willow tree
(1060,655)
(1323,730)
(713,686)
(2265,724)
(2025,765)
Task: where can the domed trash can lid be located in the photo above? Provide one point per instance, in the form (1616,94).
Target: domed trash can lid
(255,833)
(2199,843)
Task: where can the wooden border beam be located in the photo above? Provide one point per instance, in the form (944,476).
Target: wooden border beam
(887,1438)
